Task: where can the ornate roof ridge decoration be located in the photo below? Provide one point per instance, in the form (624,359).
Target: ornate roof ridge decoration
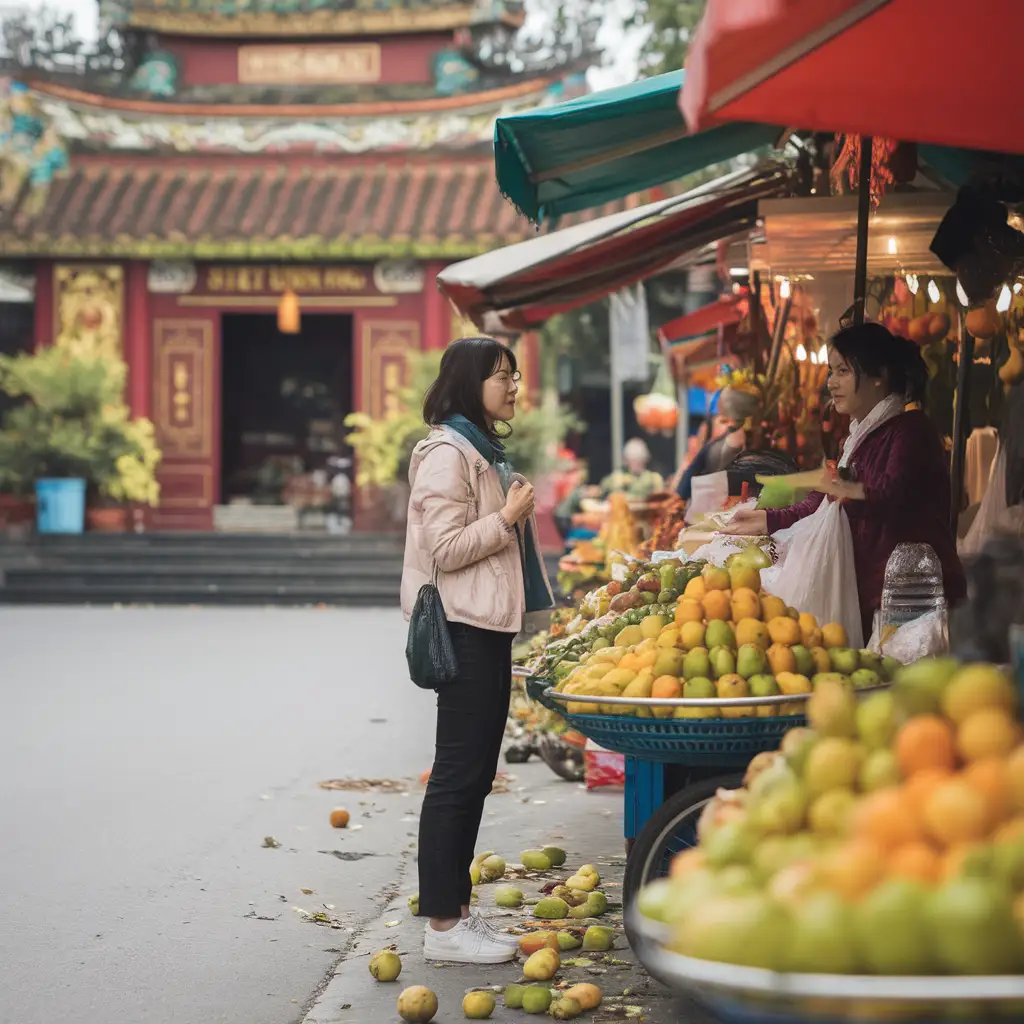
(312,18)
(463,102)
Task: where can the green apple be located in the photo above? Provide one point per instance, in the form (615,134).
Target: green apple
(892,929)
(750,661)
(723,662)
(720,634)
(697,664)
(699,686)
(822,939)
(763,685)
(972,928)
(844,660)
(804,660)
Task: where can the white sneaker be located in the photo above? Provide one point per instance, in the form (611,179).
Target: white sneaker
(466,943)
(492,930)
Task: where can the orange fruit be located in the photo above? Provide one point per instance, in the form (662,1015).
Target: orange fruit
(918,861)
(852,869)
(926,741)
(822,662)
(991,781)
(717,605)
(886,819)
(834,635)
(772,607)
(745,604)
(781,659)
(988,732)
(1015,774)
(630,661)
(689,610)
(974,687)
(339,817)
(695,589)
(955,813)
(783,630)
(751,631)
(1012,829)
(922,784)
(685,862)
(666,687)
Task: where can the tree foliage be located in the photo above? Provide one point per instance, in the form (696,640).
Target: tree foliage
(670,25)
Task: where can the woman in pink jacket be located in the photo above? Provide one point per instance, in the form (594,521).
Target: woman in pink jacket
(471,520)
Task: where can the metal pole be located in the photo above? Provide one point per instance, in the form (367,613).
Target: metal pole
(860,270)
(960,422)
(617,407)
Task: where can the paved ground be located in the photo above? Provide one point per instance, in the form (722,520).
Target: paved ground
(145,755)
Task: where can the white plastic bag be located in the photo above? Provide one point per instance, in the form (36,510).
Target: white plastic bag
(924,637)
(993,505)
(815,570)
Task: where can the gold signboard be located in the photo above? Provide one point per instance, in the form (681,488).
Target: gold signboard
(309,64)
(257,280)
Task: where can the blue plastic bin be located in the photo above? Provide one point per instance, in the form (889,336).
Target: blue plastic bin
(60,505)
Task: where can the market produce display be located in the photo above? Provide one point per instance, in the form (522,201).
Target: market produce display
(671,520)
(691,630)
(885,839)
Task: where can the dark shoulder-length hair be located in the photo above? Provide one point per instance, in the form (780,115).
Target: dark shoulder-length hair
(872,350)
(459,387)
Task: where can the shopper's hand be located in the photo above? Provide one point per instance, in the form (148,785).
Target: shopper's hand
(748,522)
(518,504)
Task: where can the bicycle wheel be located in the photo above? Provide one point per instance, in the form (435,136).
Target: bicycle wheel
(670,830)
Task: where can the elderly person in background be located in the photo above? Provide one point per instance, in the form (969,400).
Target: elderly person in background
(734,409)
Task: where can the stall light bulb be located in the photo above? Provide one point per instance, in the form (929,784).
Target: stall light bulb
(814,358)
(823,355)
(933,291)
(892,246)
(1017,287)
(912,283)
(801,354)
(962,295)
(784,290)
(1003,302)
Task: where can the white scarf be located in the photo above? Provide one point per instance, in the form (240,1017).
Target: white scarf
(887,409)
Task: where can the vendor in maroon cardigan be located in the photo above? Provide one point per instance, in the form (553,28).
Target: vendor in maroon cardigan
(894,477)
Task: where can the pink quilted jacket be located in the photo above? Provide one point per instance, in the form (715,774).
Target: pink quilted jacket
(455,524)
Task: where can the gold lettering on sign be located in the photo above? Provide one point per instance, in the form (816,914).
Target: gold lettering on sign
(182,398)
(277,280)
(311,64)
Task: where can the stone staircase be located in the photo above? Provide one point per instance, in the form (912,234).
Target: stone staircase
(203,568)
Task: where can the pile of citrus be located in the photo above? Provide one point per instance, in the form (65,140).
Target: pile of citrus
(723,639)
(887,838)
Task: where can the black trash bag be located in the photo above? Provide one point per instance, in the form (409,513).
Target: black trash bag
(747,466)
(429,651)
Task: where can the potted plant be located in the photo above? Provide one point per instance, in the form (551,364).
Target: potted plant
(72,437)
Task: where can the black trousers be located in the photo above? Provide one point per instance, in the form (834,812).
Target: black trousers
(471,716)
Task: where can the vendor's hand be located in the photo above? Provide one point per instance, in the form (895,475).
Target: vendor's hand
(748,523)
(518,504)
(842,490)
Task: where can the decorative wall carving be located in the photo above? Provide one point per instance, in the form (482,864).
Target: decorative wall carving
(88,303)
(386,345)
(183,371)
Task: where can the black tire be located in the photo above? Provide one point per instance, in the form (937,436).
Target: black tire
(671,829)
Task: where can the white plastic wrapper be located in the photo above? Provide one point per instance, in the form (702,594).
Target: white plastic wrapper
(723,546)
(924,637)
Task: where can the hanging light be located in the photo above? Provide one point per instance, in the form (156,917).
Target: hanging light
(1017,286)
(823,355)
(962,295)
(784,288)
(801,354)
(289,318)
(892,246)
(912,283)
(814,358)
(1005,297)
(933,291)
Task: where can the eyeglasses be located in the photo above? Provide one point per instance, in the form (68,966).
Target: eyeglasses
(505,379)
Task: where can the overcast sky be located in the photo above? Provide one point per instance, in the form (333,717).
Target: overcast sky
(623,51)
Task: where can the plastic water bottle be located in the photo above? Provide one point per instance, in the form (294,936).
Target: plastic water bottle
(912,589)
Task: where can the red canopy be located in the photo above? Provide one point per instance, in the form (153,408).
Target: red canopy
(721,312)
(917,70)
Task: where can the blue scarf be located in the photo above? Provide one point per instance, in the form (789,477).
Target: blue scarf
(537,594)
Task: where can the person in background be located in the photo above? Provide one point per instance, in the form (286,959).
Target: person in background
(894,473)
(729,438)
(472,530)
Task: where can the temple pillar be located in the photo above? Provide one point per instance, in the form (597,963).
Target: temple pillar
(137,347)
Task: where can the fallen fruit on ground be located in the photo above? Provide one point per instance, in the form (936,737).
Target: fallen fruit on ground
(340,817)
(508,897)
(551,908)
(585,883)
(386,965)
(478,1005)
(535,860)
(543,965)
(598,939)
(587,995)
(414,904)
(417,1005)
(536,999)
(568,941)
(492,869)
(554,854)
(535,941)
(514,996)
(565,1009)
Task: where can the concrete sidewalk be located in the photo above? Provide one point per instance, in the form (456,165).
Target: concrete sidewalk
(589,827)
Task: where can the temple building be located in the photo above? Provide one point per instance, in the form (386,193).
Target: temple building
(337,152)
